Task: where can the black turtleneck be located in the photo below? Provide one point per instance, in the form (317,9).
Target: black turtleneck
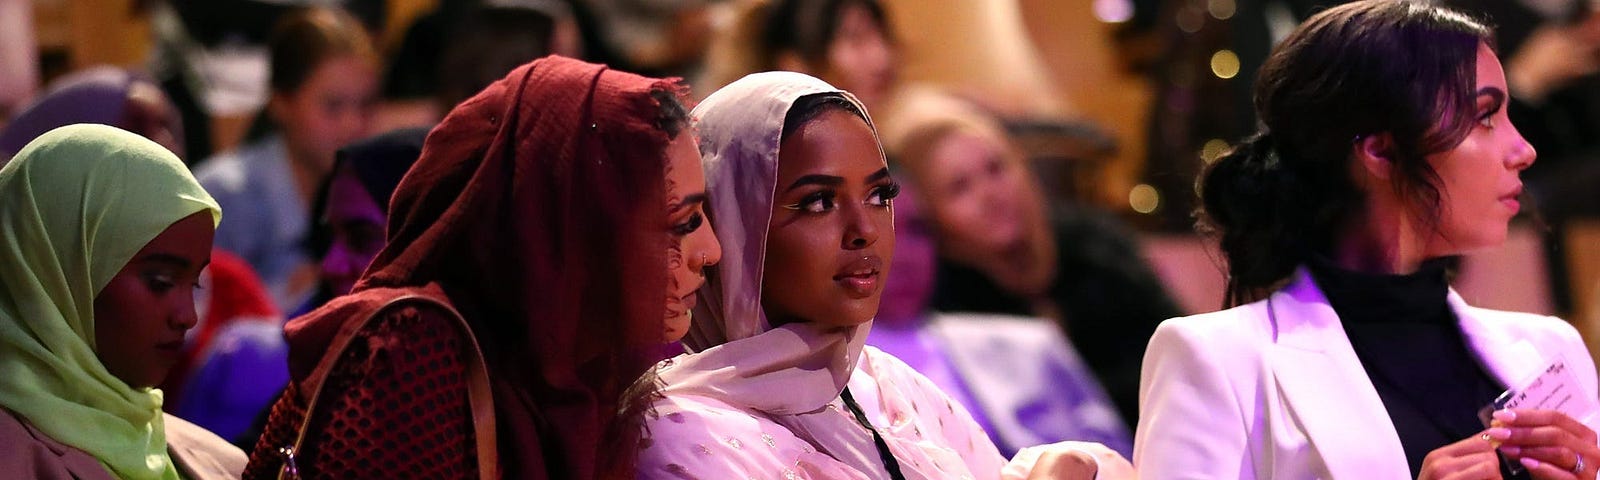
(1410,343)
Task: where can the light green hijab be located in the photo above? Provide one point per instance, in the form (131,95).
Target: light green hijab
(76,204)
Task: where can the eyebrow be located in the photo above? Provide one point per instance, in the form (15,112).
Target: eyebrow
(690,200)
(824,180)
(1495,93)
(172,260)
(834,181)
(881,174)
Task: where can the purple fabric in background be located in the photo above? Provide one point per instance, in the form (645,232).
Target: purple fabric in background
(98,95)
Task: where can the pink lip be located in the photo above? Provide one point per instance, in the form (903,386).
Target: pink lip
(860,278)
(690,300)
(1511,201)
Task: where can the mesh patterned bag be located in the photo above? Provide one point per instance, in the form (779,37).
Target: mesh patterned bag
(400,392)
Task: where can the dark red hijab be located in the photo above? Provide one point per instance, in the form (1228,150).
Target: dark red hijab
(538,206)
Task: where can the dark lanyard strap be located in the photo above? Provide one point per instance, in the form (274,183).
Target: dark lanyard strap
(889,462)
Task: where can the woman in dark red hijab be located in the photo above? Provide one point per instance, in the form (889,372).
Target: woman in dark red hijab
(553,212)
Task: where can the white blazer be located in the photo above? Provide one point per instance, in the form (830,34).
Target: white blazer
(1273,389)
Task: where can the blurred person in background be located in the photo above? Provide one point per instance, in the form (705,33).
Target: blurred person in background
(323,89)
(105,95)
(19,57)
(211,58)
(353,207)
(1004,250)
(847,43)
(461,47)
(235,382)
(1020,378)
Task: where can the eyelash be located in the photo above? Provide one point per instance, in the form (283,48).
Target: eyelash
(162,283)
(689,226)
(159,283)
(1486,119)
(823,199)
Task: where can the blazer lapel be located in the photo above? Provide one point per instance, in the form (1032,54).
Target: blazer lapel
(1327,389)
(1507,357)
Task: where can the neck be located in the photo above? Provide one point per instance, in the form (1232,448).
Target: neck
(1384,240)
(1025,269)
(897,321)
(308,176)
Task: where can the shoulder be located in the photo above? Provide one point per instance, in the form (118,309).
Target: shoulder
(693,436)
(890,372)
(1007,330)
(231,173)
(200,452)
(224,174)
(1522,324)
(29,453)
(1217,348)
(1546,333)
(1238,326)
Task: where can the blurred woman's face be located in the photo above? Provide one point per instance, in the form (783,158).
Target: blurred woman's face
(831,233)
(694,245)
(357,225)
(151,115)
(333,108)
(978,197)
(908,289)
(860,58)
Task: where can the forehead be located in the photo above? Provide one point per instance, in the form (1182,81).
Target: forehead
(835,142)
(1490,72)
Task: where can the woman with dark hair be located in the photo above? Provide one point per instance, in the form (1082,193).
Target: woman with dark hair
(324,82)
(544,246)
(1384,152)
(847,43)
(780,383)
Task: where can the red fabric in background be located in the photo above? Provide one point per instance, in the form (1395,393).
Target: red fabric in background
(235,294)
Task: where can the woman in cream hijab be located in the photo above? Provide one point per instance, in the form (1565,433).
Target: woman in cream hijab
(781,384)
(106,233)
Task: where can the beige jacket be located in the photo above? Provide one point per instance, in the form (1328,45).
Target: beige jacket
(199,454)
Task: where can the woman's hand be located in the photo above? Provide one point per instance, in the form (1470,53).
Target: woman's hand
(1069,464)
(1469,459)
(1550,444)
(1069,460)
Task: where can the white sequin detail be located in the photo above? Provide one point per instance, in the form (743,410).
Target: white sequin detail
(768,439)
(735,443)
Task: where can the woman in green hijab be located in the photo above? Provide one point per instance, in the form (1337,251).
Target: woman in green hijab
(104,235)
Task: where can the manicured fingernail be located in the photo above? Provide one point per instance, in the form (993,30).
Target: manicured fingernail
(1499,433)
(1529,462)
(1505,415)
(1512,451)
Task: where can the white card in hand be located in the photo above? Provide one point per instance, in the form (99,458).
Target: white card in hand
(1556,388)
